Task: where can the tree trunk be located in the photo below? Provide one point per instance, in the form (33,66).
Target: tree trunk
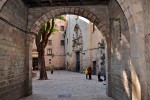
(41,64)
(41,42)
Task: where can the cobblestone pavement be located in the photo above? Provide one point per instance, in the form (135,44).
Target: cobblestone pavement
(65,85)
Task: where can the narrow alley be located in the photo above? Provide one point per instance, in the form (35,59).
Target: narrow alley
(65,85)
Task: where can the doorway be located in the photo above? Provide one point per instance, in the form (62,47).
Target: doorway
(94,67)
(77,61)
(35,63)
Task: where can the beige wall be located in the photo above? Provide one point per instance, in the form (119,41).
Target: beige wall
(58,55)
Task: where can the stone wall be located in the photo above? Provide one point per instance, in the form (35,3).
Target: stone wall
(146,6)
(133,11)
(17,16)
(97,14)
(13,77)
(147,56)
(120,54)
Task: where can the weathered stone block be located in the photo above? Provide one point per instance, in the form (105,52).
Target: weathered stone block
(45,18)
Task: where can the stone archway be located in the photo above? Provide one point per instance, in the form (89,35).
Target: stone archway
(99,22)
(133,12)
(2,3)
(69,10)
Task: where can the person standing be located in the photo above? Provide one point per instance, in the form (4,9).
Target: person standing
(90,72)
(52,70)
(86,73)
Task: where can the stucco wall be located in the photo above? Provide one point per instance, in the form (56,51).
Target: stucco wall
(90,41)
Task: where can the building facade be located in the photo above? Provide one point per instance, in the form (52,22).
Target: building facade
(82,41)
(54,51)
(128,46)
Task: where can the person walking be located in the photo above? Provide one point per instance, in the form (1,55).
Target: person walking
(102,73)
(99,76)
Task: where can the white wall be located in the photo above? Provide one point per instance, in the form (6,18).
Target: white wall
(90,43)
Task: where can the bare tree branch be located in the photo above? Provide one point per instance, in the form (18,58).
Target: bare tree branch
(52,27)
(50,32)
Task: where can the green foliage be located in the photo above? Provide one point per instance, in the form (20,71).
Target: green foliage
(54,30)
(60,17)
(42,31)
(43,27)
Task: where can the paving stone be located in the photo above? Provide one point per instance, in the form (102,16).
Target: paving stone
(65,85)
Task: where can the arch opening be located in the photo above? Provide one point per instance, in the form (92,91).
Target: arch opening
(78,32)
(137,57)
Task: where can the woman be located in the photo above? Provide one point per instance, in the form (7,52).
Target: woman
(90,72)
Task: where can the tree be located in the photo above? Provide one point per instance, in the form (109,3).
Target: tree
(41,40)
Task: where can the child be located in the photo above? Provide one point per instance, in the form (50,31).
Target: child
(86,73)
(52,70)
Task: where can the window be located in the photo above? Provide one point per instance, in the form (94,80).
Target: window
(49,42)
(62,28)
(49,51)
(62,42)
